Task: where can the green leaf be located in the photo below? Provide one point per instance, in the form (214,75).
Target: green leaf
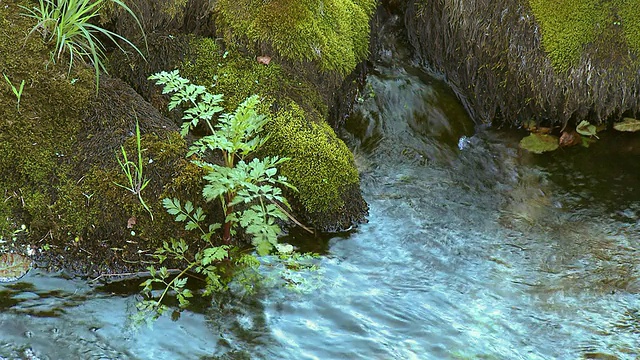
(264,248)
(191,226)
(539,143)
(172,206)
(13,266)
(627,124)
(188,207)
(586,129)
(180,283)
(214,254)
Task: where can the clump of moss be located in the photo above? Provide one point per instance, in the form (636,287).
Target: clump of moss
(568,27)
(230,73)
(238,76)
(321,166)
(630,22)
(334,33)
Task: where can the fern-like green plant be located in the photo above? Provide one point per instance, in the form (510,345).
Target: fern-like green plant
(246,187)
(68,24)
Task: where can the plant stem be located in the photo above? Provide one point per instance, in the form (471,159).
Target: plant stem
(173,280)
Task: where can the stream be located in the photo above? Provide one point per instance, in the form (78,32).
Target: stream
(474,249)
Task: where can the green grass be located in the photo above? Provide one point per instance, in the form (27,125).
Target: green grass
(68,24)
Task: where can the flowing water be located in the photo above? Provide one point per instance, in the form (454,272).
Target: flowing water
(474,250)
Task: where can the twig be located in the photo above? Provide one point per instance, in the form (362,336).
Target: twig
(291,217)
(139,274)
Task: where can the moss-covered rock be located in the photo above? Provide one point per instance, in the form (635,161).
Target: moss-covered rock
(557,62)
(321,168)
(58,152)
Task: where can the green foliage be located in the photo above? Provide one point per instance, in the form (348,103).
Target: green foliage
(16,91)
(335,33)
(202,104)
(247,190)
(68,23)
(134,172)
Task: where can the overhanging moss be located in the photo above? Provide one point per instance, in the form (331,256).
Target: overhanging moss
(554,62)
(334,33)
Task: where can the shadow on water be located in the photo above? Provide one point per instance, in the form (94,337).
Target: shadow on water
(474,250)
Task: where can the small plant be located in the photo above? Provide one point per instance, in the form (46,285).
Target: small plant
(16,91)
(69,24)
(247,190)
(134,172)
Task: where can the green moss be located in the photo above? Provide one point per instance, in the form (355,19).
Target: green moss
(568,27)
(238,76)
(334,33)
(321,166)
(37,141)
(630,21)
(173,8)
(230,73)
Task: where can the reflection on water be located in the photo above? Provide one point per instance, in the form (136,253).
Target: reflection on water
(477,251)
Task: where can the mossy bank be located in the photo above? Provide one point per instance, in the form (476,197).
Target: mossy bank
(59,150)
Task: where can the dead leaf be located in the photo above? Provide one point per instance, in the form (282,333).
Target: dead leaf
(534,128)
(131,222)
(264,60)
(569,138)
(13,266)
